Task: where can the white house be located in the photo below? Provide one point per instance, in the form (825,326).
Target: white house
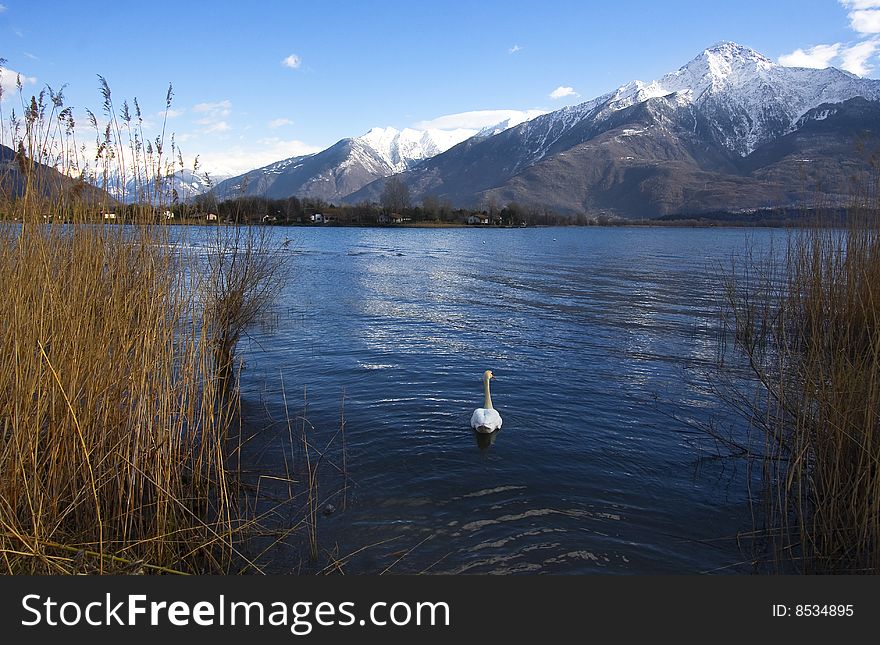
(168,215)
(109,216)
(211,217)
(478,219)
(317,218)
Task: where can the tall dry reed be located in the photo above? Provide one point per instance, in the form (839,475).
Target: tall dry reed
(115,405)
(808,322)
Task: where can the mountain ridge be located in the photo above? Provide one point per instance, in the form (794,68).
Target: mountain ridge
(711,135)
(646,148)
(350,163)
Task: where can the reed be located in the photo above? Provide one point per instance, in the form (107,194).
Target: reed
(808,323)
(117,399)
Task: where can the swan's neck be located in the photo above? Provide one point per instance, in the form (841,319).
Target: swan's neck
(488,402)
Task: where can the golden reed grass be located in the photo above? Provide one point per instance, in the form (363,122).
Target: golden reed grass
(808,322)
(115,359)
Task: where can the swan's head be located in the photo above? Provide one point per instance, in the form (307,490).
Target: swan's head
(488,375)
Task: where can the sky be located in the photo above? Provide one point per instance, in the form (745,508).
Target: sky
(262,81)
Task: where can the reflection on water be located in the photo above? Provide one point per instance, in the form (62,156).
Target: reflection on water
(486,439)
(603,341)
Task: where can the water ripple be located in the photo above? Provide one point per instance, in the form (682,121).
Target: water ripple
(601,339)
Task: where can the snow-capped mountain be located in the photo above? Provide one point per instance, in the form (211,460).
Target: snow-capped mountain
(180,187)
(400,150)
(346,166)
(747,98)
(683,142)
(189,184)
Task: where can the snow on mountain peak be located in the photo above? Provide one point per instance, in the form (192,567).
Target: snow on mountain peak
(744,90)
(508,123)
(401,149)
(741,98)
(732,53)
(724,64)
(721,66)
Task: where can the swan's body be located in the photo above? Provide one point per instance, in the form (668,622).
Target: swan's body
(486,419)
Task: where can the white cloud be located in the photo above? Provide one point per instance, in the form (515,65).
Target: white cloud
(219,108)
(855,59)
(215,113)
(239,159)
(817,57)
(562,91)
(864,17)
(8,80)
(514,49)
(2,8)
(278,123)
(865,21)
(477,119)
(212,126)
(172,113)
(293,61)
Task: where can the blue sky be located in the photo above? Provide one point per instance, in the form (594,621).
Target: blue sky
(257,82)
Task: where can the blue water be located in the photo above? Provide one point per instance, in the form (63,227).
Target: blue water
(604,345)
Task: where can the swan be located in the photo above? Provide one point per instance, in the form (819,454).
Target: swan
(486,419)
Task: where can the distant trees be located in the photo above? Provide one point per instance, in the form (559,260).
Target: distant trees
(293,209)
(206,202)
(433,208)
(490,205)
(395,196)
(513,214)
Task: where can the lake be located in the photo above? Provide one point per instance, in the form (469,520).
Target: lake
(604,345)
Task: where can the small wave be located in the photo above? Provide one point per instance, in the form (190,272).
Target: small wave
(375,366)
(538,512)
(491,491)
(497,544)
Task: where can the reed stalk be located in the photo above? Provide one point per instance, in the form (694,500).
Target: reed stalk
(117,380)
(808,323)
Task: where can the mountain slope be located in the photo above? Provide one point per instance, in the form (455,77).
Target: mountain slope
(699,138)
(46,180)
(183,186)
(345,166)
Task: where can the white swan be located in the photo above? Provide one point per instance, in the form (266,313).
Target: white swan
(486,419)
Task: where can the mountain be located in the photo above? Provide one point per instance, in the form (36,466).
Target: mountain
(729,130)
(183,185)
(186,183)
(11,179)
(7,154)
(346,166)
(47,180)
